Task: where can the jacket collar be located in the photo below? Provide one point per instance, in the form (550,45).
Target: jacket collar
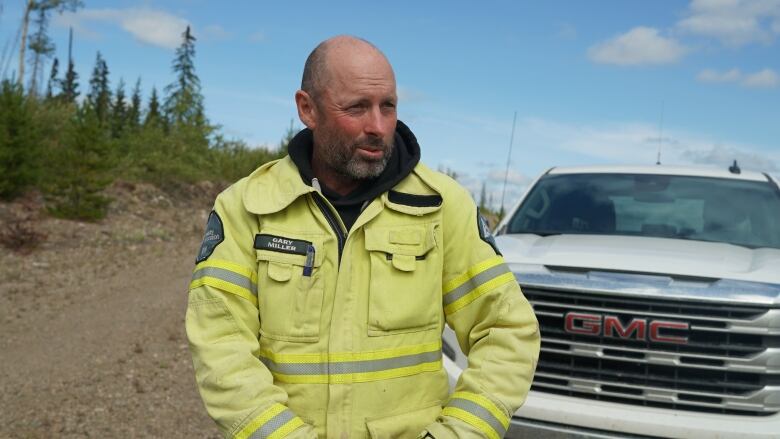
(273,187)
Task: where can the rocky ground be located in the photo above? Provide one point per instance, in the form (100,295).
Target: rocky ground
(92,319)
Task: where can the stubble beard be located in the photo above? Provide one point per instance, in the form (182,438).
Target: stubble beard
(343,158)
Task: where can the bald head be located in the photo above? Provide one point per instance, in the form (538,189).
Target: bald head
(339,49)
(348,100)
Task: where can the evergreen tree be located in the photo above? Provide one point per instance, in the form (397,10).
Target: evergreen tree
(482,198)
(119,111)
(41,46)
(184,102)
(99,96)
(40,39)
(70,85)
(134,110)
(85,169)
(53,81)
(18,141)
(153,117)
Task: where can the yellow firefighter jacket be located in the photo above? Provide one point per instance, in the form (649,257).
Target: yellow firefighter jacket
(299,329)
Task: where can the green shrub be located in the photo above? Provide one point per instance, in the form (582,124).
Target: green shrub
(85,163)
(232,159)
(18,141)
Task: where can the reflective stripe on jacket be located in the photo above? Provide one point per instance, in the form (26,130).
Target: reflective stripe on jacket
(301,330)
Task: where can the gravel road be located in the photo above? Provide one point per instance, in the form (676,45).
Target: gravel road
(92,326)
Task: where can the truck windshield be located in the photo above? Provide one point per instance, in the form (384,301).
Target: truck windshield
(745,213)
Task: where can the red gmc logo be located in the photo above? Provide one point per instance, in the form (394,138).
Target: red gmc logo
(612,326)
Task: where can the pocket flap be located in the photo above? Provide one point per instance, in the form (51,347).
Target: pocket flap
(279,271)
(404,262)
(414,240)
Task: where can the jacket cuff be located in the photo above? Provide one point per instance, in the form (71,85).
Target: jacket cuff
(275,422)
(479,412)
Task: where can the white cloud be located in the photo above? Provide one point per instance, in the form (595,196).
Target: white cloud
(565,144)
(721,155)
(638,143)
(709,75)
(150,26)
(766,78)
(640,45)
(493,183)
(497,175)
(734,22)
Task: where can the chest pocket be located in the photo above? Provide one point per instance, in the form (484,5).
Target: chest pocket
(290,285)
(405,279)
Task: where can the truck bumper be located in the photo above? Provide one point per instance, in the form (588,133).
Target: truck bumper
(554,416)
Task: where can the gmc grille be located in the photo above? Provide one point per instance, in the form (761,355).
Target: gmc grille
(730,363)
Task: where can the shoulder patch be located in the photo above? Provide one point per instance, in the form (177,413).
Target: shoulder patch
(485,234)
(414,200)
(214,236)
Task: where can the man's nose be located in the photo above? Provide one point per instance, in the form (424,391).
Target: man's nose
(376,123)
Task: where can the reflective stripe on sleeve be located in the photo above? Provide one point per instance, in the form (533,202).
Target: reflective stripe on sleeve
(475,282)
(228,277)
(354,367)
(274,423)
(478,411)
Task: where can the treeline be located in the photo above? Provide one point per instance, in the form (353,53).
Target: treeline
(71,147)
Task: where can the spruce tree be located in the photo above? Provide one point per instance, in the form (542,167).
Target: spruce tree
(53,81)
(40,38)
(184,103)
(85,168)
(18,141)
(70,85)
(482,198)
(41,46)
(119,110)
(153,116)
(99,96)
(134,110)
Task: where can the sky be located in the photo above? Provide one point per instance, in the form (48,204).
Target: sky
(598,82)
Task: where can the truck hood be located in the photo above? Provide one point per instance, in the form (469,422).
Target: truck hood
(673,257)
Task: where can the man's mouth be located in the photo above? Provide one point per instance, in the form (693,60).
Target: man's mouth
(371,153)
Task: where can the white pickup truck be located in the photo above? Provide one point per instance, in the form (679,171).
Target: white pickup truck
(657,291)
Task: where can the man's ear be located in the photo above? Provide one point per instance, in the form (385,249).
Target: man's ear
(307,109)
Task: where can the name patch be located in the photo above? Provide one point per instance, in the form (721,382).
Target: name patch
(281,244)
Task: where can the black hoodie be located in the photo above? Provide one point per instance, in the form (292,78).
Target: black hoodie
(404,158)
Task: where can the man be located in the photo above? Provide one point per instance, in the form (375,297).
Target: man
(325,279)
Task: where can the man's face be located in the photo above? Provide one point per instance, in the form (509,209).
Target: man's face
(356,117)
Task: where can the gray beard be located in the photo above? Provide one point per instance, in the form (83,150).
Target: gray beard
(346,163)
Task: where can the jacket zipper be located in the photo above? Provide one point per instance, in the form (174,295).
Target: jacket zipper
(341,237)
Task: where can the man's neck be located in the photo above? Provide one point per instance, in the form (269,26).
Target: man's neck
(337,183)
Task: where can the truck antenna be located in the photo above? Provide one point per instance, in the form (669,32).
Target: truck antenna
(508,158)
(660,134)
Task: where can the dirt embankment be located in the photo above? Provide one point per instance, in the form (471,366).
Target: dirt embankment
(92,321)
